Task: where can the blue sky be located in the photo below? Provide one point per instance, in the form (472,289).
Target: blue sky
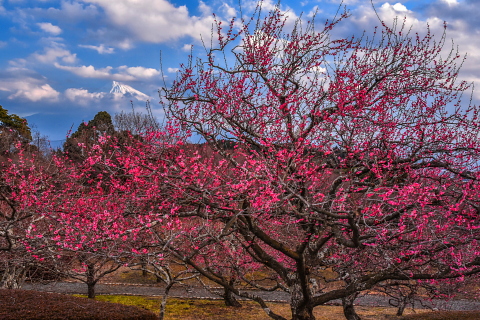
(58,58)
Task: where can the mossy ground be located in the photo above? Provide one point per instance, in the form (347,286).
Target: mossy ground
(200,309)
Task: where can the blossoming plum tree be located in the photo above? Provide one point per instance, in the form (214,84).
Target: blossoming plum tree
(20,180)
(354,161)
(82,215)
(87,217)
(330,167)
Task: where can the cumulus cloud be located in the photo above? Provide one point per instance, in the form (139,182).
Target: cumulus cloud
(34,92)
(228,11)
(140,72)
(68,12)
(388,13)
(124,73)
(91,72)
(204,8)
(156,21)
(24,85)
(50,28)
(187,47)
(455,12)
(462,26)
(82,96)
(18,63)
(251,5)
(101,49)
(53,54)
(365,18)
(112,101)
(124,44)
(173,70)
(397,7)
(450,2)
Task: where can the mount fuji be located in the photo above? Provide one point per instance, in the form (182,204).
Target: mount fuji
(123,89)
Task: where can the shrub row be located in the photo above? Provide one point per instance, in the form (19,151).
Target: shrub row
(30,305)
(445,315)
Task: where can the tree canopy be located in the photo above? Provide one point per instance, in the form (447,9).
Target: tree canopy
(329,167)
(87,134)
(13,129)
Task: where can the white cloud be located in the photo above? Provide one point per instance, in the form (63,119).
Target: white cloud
(52,54)
(27,88)
(251,5)
(125,44)
(450,2)
(18,63)
(101,49)
(228,11)
(204,9)
(388,13)
(50,28)
(365,18)
(173,70)
(397,7)
(114,101)
(66,11)
(83,97)
(91,72)
(156,21)
(36,93)
(140,72)
(124,73)
(187,47)
(462,27)
(318,69)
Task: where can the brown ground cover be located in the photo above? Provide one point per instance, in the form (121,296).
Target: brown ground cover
(445,315)
(202,309)
(199,309)
(33,305)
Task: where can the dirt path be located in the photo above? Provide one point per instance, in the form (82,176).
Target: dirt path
(199,292)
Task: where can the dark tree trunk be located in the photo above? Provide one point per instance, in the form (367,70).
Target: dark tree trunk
(300,303)
(144,268)
(91,281)
(13,276)
(402,303)
(229,296)
(230,300)
(302,313)
(163,304)
(348,307)
(91,290)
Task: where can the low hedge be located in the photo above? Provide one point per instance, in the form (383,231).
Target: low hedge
(33,305)
(445,315)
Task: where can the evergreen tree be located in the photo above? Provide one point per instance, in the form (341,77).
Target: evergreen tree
(13,129)
(87,134)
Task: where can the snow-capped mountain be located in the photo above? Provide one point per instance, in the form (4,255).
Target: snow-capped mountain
(128,91)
